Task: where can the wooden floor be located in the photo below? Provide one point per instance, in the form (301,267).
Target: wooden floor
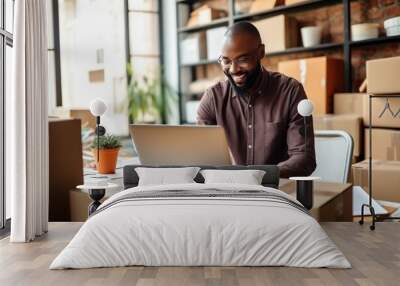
(375,257)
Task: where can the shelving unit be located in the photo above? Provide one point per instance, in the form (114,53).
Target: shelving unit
(345,47)
(321,47)
(285,9)
(213,24)
(200,63)
(368,205)
(381,40)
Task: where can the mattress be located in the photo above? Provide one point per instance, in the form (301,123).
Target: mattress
(201,225)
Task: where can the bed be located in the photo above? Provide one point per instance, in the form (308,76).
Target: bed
(201,224)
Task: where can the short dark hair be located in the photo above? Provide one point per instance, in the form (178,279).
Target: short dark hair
(243,27)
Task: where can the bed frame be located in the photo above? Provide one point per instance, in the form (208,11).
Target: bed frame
(270,179)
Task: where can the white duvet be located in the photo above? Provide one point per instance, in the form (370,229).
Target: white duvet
(200,231)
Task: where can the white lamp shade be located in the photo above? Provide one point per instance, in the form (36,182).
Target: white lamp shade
(98,107)
(305,107)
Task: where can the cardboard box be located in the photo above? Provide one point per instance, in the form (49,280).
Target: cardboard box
(350,103)
(204,15)
(385,179)
(215,40)
(243,6)
(193,48)
(79,202)
(321,78)
(84,114)
(290,2)
(262,5)
(349,123)
(385,144)
(278,33)
(357,103)
(383,76)
(332,201)
(387,119)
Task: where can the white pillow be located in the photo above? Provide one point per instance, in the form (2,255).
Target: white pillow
(163,176)
(248,177)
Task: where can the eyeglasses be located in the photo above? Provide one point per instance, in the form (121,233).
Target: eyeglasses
(243,61)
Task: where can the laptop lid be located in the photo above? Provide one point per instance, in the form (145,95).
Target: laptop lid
(180,144)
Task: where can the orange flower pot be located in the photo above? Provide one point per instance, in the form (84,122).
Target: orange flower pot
(107,160)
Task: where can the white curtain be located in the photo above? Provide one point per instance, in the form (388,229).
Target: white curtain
(27,123)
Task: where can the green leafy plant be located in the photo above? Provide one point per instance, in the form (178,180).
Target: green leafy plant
(151,97)
(106,142)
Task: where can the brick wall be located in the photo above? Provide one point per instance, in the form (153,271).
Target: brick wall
(331,19)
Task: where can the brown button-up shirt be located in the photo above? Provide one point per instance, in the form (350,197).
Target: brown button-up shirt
(263,127)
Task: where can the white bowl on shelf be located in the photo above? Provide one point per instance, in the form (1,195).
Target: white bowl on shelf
(392,26)
(311,35)
(364,31)
(393,31)
(395,21)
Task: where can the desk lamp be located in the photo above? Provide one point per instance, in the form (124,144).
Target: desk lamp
(98,108)
(97,188)
(305,185)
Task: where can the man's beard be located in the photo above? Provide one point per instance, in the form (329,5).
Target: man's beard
(250,80)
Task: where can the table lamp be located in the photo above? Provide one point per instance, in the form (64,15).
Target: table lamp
(305,185)
(98,108)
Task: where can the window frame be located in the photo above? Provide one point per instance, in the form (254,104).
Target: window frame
(130,56)
(6,39)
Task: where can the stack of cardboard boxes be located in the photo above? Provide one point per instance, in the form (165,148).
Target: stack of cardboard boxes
(203,45)
(322,77)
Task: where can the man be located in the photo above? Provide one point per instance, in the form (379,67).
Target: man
(258,108)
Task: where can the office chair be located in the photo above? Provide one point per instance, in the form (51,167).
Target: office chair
(334,151)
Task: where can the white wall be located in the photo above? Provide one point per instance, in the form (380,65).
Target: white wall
(85,27)
(170,51)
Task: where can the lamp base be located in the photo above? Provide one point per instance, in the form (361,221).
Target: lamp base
(305,190)
(96,195)
(305,193)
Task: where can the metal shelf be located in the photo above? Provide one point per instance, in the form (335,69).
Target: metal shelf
(200,63)
(385,95)
(320,47)
(213,24)
(284,9)
(381,40)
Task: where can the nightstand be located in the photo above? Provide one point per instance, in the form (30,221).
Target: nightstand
(96,193)
(332,201)
(79,199)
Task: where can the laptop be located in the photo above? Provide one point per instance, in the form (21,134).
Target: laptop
(180,144)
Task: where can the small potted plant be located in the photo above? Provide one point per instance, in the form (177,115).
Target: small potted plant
(108,146)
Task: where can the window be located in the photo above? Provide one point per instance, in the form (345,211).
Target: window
(6,43)
(89,46)
(96,41)
(144,37)
(54,85)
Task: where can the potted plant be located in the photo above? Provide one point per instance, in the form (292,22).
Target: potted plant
(149,100)
(108,147)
